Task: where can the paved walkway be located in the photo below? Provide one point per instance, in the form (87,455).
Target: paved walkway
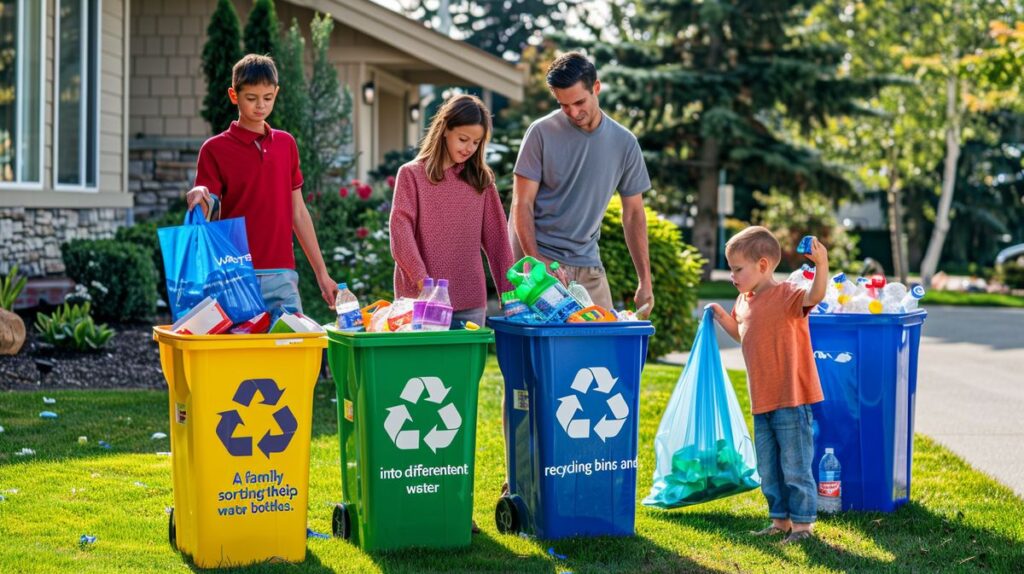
(970,385)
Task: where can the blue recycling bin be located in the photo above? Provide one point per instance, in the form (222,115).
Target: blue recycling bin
(572,402)
(868,370)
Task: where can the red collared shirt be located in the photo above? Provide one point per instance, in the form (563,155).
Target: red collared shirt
(254,176)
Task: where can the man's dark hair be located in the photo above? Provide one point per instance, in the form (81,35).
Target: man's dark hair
(253,70)
(571,68)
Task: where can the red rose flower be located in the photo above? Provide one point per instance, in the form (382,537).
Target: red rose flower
(391,181)
(309,198)
(362,232)
(343,192)
(364,191)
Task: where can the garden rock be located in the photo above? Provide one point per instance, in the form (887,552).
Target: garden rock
(12,332)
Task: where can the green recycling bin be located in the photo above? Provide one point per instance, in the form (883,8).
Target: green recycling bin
(407,427)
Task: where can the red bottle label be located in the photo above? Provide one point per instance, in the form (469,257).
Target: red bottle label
(830,488)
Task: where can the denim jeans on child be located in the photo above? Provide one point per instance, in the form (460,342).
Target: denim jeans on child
(280,289)
(784,442)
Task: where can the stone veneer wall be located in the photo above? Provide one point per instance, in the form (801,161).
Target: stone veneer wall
(31,237)
(160,171)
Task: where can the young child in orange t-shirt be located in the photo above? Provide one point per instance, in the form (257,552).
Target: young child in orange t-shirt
(769,320)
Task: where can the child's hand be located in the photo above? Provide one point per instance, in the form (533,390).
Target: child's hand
(818,254)
(718,310)
(200,195)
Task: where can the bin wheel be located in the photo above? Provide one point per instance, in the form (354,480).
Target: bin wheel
(172,531)
(506,515)
(341,525)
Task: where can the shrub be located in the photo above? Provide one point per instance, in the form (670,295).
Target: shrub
(1013,275)
(71,326)
(221,51)
(675,268)
(10,288)
(791,217)
(119,276)
(355,242)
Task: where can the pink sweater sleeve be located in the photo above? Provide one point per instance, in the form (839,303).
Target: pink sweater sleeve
(495,240)
(404,211)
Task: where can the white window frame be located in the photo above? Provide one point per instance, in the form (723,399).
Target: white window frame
(84,104)
(19,119)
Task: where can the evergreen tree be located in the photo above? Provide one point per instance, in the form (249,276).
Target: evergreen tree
(262,29)
(705,85)
(219,55)
(293,98)
(328,129)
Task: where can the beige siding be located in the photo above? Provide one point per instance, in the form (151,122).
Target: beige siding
(111,188)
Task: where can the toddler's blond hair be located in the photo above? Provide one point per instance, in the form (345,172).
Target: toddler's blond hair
(753,243)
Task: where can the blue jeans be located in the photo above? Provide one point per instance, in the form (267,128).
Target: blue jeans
(784,442)
(280,288)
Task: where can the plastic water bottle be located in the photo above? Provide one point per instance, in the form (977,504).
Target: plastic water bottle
(802,277)
(347,307)
(580,294)
(830,485)
(911,299)
(437,315)
(805,244)
(419,307)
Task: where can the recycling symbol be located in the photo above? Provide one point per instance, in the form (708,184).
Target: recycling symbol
(231,420)
(603,382)
(398,415)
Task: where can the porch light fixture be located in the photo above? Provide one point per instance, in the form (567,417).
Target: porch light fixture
(369,93)
(414,113)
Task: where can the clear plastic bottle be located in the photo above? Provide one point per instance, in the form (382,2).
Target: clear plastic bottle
(912,298)
(580,294)
(830,485)
(347,307)
(437,315)
(419,307)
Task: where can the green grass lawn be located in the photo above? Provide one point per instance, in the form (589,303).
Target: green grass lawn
(958,520)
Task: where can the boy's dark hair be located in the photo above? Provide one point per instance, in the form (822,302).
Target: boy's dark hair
(253,70)
(571,68)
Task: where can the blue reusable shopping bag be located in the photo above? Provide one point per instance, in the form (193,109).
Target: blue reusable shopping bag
(703,449)
(210,259)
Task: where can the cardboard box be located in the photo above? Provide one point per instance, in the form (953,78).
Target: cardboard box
(206,318)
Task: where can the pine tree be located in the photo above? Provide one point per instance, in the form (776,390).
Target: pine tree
(219,55)
(328,128)
(292,103)
(262,29)
(705,86)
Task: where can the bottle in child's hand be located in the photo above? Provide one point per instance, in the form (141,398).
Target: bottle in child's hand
(805,245)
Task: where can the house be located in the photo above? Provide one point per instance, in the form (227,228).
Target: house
(100,105)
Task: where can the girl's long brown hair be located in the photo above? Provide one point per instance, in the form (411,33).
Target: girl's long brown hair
(464,110)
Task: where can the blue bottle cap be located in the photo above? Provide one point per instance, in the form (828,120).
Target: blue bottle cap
(342,286)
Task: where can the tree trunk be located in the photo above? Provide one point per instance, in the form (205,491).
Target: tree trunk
(931,256)
(705,238)
(899,259)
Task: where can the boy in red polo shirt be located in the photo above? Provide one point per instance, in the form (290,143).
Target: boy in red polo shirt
(252,170)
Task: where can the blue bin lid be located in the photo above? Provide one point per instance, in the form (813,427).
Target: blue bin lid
(915,317)
(503,325)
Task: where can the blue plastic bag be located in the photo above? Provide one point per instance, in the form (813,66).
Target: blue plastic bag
(210,259)
(703,449)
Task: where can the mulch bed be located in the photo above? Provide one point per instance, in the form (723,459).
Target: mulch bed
(130,359)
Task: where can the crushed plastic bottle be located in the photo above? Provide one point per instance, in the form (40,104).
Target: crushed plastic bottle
(350,316)
(830,485)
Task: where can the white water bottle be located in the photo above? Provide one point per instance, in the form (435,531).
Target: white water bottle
(830,485)
(347,307)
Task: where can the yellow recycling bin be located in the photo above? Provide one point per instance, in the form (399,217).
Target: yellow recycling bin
(241,408)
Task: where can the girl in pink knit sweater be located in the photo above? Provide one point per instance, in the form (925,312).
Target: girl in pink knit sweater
(446,210)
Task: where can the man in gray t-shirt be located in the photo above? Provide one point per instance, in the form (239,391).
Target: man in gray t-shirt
(570,163)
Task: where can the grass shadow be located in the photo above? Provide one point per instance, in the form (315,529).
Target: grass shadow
(616,554)
(485,553)
(312,564)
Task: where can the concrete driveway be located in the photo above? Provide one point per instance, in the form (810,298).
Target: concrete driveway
(970,385)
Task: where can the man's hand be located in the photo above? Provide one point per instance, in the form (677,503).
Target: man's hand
(644,297)
(200,195)
(328,288)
